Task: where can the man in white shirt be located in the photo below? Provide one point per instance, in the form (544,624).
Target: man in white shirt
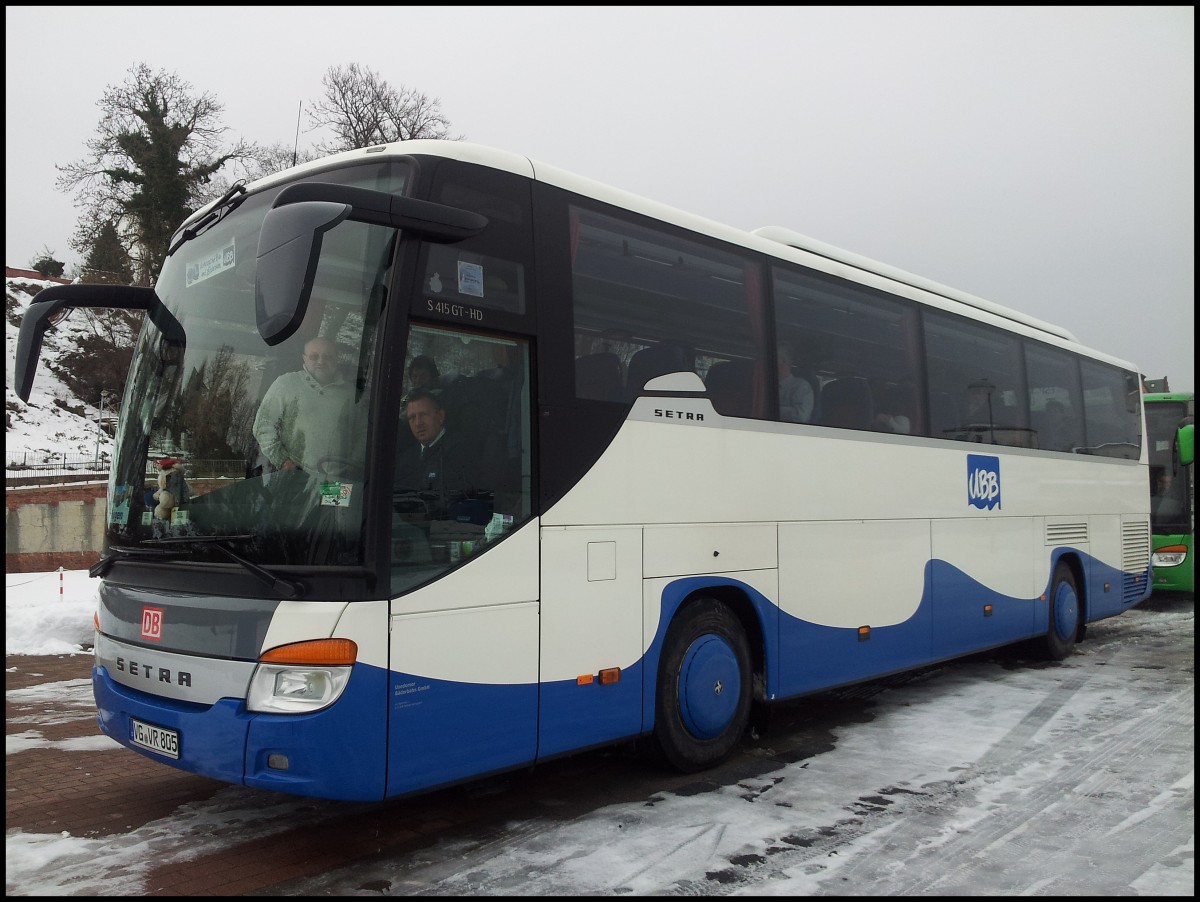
(305,419)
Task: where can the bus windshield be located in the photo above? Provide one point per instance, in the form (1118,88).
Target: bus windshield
(1170,483)
(220,454)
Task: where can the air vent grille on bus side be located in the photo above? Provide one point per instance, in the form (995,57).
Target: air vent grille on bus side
(1075,534)
(1135,558)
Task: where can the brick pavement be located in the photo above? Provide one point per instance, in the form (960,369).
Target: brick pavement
(86,793)
(103,790)
(109,790)
(106,790)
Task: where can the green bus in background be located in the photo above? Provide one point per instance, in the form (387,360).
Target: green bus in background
(1170,433)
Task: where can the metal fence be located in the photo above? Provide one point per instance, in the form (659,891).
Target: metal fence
(25,466)
(52,463)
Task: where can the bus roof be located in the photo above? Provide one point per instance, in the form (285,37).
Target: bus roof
(767,240)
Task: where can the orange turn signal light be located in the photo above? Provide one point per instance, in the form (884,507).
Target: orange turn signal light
(329,652)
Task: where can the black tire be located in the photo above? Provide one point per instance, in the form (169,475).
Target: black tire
(1065,614)
(702,700)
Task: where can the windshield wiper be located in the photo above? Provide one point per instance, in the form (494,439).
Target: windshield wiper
(223,207)
(105,563)
(288,588)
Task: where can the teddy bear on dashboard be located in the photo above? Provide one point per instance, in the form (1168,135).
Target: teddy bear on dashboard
(172,488)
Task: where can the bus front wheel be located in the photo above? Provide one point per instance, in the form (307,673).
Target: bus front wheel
(704,687)
(1065,613)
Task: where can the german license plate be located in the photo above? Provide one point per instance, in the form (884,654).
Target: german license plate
(157,739)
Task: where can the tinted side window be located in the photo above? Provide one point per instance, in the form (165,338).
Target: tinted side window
(648,302)
(1055,399)
(856,346)
(976,383)
(463,469)
(1112,411)
(483,280)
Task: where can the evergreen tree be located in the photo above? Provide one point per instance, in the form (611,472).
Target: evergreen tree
(46,266)
(107,260)
(154,159)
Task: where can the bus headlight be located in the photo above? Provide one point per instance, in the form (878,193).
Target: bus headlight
(1169,556)
(301,677)
(294,689)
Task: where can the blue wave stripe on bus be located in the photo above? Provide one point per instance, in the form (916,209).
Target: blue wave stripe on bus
(443,731)
(429,718)
(593,714)
(212,737)
(341,758)
(335,753)
(950,620)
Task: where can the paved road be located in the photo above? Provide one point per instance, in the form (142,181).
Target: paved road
(1086,790)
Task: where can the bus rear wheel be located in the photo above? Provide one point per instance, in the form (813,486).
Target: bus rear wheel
(704,687)
(1065,613)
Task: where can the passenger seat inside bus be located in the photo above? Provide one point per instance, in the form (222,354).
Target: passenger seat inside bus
(656,360)
(599,377)
(730,385)
(944,419)
(846,403)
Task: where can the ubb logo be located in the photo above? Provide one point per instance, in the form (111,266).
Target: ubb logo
(983,481)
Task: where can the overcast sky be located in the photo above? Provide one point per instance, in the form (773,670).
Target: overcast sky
(1042,158)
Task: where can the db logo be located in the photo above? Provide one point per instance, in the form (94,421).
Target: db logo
(152,623)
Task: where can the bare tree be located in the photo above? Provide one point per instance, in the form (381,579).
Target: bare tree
(98,358)
(157,149)
(271,158)
(362,109)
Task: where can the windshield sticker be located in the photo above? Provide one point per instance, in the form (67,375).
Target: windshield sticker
(983,481)
(209,266)
(119,514)
(470,279)
(335,494)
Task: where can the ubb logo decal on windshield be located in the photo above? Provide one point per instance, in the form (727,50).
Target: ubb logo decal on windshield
(983,481)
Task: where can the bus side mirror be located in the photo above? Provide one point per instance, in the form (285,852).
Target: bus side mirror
(289,247)
(52,305)
(40,316)
(1185,441)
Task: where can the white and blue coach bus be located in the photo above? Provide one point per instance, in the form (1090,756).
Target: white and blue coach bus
(697,470)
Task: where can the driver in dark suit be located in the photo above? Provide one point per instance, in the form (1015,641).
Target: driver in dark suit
(435,465)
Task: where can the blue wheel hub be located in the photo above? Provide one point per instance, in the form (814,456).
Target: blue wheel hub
(710,685)
(1066,611)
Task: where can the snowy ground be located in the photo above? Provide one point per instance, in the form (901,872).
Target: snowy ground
(992,776)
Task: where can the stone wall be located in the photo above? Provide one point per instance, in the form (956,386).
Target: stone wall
(48,528)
